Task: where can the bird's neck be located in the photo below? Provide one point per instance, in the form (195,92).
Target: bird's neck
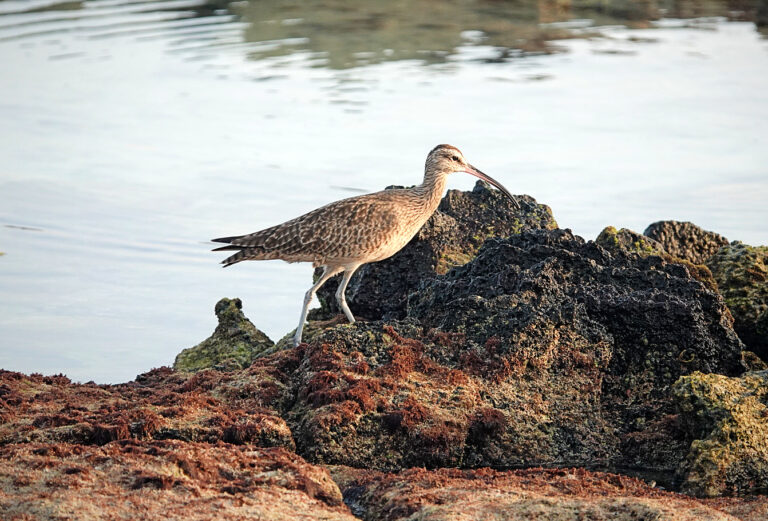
(431,190)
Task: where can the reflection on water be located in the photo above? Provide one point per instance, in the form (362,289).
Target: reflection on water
(131,131)
(340,35)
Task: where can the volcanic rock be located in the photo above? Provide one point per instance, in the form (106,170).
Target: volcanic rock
(741,272)
(542,350)
(685,240)
(451,237)
(234,344)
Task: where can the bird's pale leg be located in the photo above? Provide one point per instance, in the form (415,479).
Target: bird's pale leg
(328,272)
(340,296)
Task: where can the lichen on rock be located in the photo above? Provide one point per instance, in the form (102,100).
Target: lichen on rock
(741,272)
(234,344)
(629,241)
(728,419)
(626,240)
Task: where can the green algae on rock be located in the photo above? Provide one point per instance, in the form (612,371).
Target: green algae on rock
(233,345)
(741,272)
(728,419)
(628,241)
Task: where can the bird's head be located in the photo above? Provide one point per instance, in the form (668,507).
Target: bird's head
(446,159)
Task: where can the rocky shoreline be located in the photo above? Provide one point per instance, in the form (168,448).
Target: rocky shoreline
(493,341)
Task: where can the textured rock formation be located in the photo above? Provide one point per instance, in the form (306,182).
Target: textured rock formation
(233,345)
(163,480)
(451,237)
(553,494)
(161,404)
(686,240)
(628,241)
(729,419)
(542,350)
(741,272)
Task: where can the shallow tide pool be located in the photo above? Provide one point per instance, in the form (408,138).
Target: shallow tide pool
(133,132)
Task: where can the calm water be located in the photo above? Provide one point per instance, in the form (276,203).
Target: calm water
(133,131)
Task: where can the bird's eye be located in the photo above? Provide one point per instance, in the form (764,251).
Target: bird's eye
(455,158)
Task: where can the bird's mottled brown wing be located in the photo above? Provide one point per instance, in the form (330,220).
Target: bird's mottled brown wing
(343,229)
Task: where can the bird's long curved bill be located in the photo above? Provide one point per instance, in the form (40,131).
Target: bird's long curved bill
(488,179)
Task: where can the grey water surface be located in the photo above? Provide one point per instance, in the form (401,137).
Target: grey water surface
(133,131)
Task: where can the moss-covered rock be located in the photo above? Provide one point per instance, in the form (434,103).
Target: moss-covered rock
(631,242)
(450,238)
(685,240)
(233,345)
(741,272)
(728,419)
(626,240)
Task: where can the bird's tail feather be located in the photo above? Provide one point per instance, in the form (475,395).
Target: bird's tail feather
(247,247)
(234,259)
(228,240)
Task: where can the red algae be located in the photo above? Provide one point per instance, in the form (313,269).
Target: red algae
(187,480)
(564,494)
(160,404)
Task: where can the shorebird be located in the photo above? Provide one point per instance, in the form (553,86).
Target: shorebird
(344,235)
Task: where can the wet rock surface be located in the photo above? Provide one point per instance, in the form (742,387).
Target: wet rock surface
(233,345)
(741,272)
(686,240)
(728,417)
(451,237)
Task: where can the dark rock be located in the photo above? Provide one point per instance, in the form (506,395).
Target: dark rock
(542,350)
(728,417)
(451,237)
(686,240)
(234,344)
(741,272)
(753,362)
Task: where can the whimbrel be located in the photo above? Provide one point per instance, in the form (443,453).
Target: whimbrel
(344,235)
